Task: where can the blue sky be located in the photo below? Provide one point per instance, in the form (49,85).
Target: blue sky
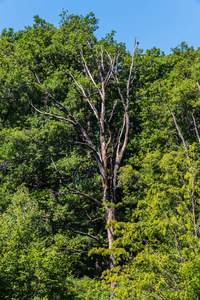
(160,23)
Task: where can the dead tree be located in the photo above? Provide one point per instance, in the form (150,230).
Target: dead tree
(106,73)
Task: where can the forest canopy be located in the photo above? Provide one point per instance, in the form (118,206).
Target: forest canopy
(99,166)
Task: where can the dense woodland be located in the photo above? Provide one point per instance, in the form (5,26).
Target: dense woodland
(99,166)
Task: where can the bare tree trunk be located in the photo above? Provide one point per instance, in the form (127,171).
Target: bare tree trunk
(110,212)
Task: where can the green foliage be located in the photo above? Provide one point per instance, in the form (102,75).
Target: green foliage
(161,243)
(53,242)
(32,262)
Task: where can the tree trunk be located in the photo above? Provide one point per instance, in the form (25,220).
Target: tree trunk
(110,214)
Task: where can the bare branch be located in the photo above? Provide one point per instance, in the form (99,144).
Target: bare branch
(131,69)
(111,69)
(102,63)
(100,70)
(108,76)
(120,136)
(52,115)
(195,126)
(73,191)
(179,133)
(94,220)
(170,131)
(112,113)
(73,250)
(82,93)
(114,72)
(110,134)
(177,247)
(84,233)
(90,75)
(126,122)
(198,85)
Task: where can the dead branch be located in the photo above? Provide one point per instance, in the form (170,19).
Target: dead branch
(84,233)
(177,247)
(120,136)
(114,73)
(52,115)
(73,250)
(198,85)
(73,191)
(179,132)
(81,91)
(99,68)
(131,69)
(112,113)
(90,75)
(195,126)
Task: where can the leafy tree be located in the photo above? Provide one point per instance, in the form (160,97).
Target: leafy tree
(102,153)
(32,260)
(158,249)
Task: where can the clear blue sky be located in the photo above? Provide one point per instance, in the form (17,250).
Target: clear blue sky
(160,23)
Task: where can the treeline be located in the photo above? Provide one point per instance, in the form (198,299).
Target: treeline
(84,213)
